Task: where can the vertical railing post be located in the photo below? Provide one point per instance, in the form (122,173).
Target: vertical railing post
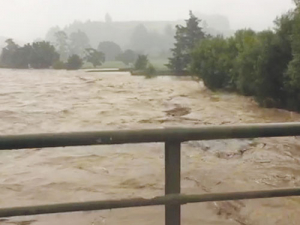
(172,181)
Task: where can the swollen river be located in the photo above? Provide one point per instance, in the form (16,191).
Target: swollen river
(42,101)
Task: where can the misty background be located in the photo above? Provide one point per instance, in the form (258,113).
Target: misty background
(144,26)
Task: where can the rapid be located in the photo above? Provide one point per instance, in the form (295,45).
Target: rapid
(42,101)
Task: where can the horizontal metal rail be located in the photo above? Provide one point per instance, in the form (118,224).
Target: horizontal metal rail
(138,202)
(152,135)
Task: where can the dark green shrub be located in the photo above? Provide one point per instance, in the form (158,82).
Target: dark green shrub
(59,65)
(74,62)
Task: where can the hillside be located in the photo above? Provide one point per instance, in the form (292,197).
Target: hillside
(155,36)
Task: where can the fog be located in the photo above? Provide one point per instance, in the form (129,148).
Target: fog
(31,19)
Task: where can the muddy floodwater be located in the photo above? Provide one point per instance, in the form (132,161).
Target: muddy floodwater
(39,101)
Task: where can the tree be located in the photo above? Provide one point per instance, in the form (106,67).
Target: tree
(62,45)
(8,53)
(94,57)
(110,49)
(79,41)
(270,68)
(253,64)
(22,57)
(141,62)
(293,72)
(245,61)
(43,55)
(140,39)
(127,57)
(50,36)
(59,65)
(38,55)
(187,37)
(150,71)
(211,62)
(265,65)
(74,62)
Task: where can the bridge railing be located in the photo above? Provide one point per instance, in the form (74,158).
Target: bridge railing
(172,137)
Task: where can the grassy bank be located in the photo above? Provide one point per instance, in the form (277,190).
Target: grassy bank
(159,64)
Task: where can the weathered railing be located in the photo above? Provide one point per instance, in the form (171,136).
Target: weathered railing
(172,137)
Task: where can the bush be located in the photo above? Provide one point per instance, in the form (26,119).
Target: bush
(127,57)
(253,64)
(211,62)
(43,55)
(74,62)
(59,65)
(186,39)
(110,49)
(141,62)
(38,55)
(150,71)
(292,84)
(94,57)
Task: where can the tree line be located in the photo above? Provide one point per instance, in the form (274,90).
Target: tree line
(265,65)
(78,43)
(38,55)
(64,53)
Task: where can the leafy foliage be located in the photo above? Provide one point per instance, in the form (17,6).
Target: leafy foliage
(141,62)
(59,65)
(293,72)
(43,55)
(74,62)
(212,63)
(79,41)
(8,54)
(94,57)
(110,49)
(150,70)
(187,37)
(264,64)
(127,57)
(62,45)
(38,55)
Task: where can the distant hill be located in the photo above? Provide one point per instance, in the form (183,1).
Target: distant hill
(153,37)
(119,32)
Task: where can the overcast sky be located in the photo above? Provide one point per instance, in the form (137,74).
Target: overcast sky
(29,19)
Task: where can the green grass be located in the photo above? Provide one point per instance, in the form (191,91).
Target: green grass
(159,64)
(107,70)
(106,65)
(113,64)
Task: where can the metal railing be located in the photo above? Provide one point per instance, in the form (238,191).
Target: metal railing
(172,137)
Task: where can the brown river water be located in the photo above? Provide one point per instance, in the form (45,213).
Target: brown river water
(39,101)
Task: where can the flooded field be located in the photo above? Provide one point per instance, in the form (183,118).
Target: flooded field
(39,101)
